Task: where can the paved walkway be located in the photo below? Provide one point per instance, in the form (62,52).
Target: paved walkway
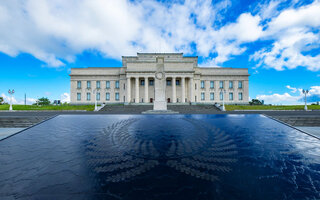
(312,130)
(6,132)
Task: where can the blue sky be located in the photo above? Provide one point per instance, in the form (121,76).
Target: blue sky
(279,41)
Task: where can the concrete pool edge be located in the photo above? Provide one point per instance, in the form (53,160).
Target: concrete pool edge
(292,126)
(28,128)
(142,114)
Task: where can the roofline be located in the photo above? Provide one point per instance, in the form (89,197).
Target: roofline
(190,56)
(160,53)
(221,68)
(153,54)
(96,67)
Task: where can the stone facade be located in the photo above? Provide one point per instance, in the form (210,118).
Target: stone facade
(134,82)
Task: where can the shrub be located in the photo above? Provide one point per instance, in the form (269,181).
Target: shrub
(256,102)
(44,101)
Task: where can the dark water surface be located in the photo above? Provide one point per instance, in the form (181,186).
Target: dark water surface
(160,157)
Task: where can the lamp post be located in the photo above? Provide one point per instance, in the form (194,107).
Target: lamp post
(11,92)
(223,91)
(305,92)
(95,99)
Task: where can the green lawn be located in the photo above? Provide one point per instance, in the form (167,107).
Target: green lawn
(50,107)
(268,107)
(91,107)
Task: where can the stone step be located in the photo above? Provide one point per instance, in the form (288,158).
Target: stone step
(20,122)
(311,121)
(141,108)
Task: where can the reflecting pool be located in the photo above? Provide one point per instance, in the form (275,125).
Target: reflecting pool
(160,157)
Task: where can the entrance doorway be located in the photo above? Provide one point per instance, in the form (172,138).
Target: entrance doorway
(168,100)
(151,100)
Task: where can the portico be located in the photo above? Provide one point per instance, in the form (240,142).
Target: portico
(139,87)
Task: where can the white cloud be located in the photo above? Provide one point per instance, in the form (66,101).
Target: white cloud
(8,98)
(268,10)
(314,90)
(246,29)
(293,90)
(65,98)
(57,31)
(287,99)
(29,101)
(292,18)
(294,36)
(54,31)
(255,72)
(227,41)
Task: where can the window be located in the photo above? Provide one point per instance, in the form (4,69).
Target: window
(151,82)
(141,82)
(117,96)
(117,84)
(202,84)
(240,84)
(79,96)
(221,84)
(211,84)
(221,96)
(195,86)
(240,96)
(211,96)
(98,96)
(230,84)
(168,82)
(202,96)
(124,86)
(177,82)
(98,84)
(107,96)
(79,84)
(107,84)
(88,96)
(88,84)
(230,96)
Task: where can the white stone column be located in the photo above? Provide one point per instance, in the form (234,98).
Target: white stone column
(137,90)
(128,89)
(174,95)
(191,90)
(183,95)
(146,90)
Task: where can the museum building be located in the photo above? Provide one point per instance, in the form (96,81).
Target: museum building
(133,83)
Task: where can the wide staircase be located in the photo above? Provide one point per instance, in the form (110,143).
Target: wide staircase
(125,109)
(138,109)
(20,121)
(310,121)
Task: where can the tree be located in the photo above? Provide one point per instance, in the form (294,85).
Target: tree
(43,101)
(1,101)
(256,102)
